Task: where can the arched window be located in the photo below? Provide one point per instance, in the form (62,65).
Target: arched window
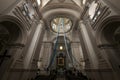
(83,2)
(39,2)
(92,9)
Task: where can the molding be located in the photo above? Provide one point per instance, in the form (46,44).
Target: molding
(108,46)
(105,13)
(61,1)
(56,6)
(18,23)
(103,25)
(16,45)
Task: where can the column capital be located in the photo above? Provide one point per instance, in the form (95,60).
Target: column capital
(16,45)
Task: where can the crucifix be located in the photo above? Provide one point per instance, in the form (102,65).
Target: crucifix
(2,57)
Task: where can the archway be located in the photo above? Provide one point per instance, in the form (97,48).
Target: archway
(13,37)
(108,37)
(13,24)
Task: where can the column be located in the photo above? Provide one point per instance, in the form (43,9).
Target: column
(45,55)
(88,45)
(78,55)
(33,45)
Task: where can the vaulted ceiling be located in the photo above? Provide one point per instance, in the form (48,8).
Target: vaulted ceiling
(77,2)
(51,9)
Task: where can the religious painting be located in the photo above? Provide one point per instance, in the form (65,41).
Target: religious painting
(61,61)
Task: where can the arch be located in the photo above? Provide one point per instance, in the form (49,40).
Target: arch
(17,35)
(7,20)
(106,30)
(70,11)
(105,38)
(54,6)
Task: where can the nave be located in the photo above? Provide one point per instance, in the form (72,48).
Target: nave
(59,40)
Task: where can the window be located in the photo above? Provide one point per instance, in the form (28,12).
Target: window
(39,2)
(61,24)
(99,12)
(84,1)
(92,9)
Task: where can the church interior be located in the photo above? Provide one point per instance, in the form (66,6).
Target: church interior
(59,39)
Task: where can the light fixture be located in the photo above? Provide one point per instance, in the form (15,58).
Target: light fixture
(39,2)
(61,47)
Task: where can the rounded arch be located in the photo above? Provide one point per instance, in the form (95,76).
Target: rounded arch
(13,36)
(21,33)
(71,11)
(105,38)
(106,30)
(54,6)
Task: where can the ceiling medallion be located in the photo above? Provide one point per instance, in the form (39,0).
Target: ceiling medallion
(61,0)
